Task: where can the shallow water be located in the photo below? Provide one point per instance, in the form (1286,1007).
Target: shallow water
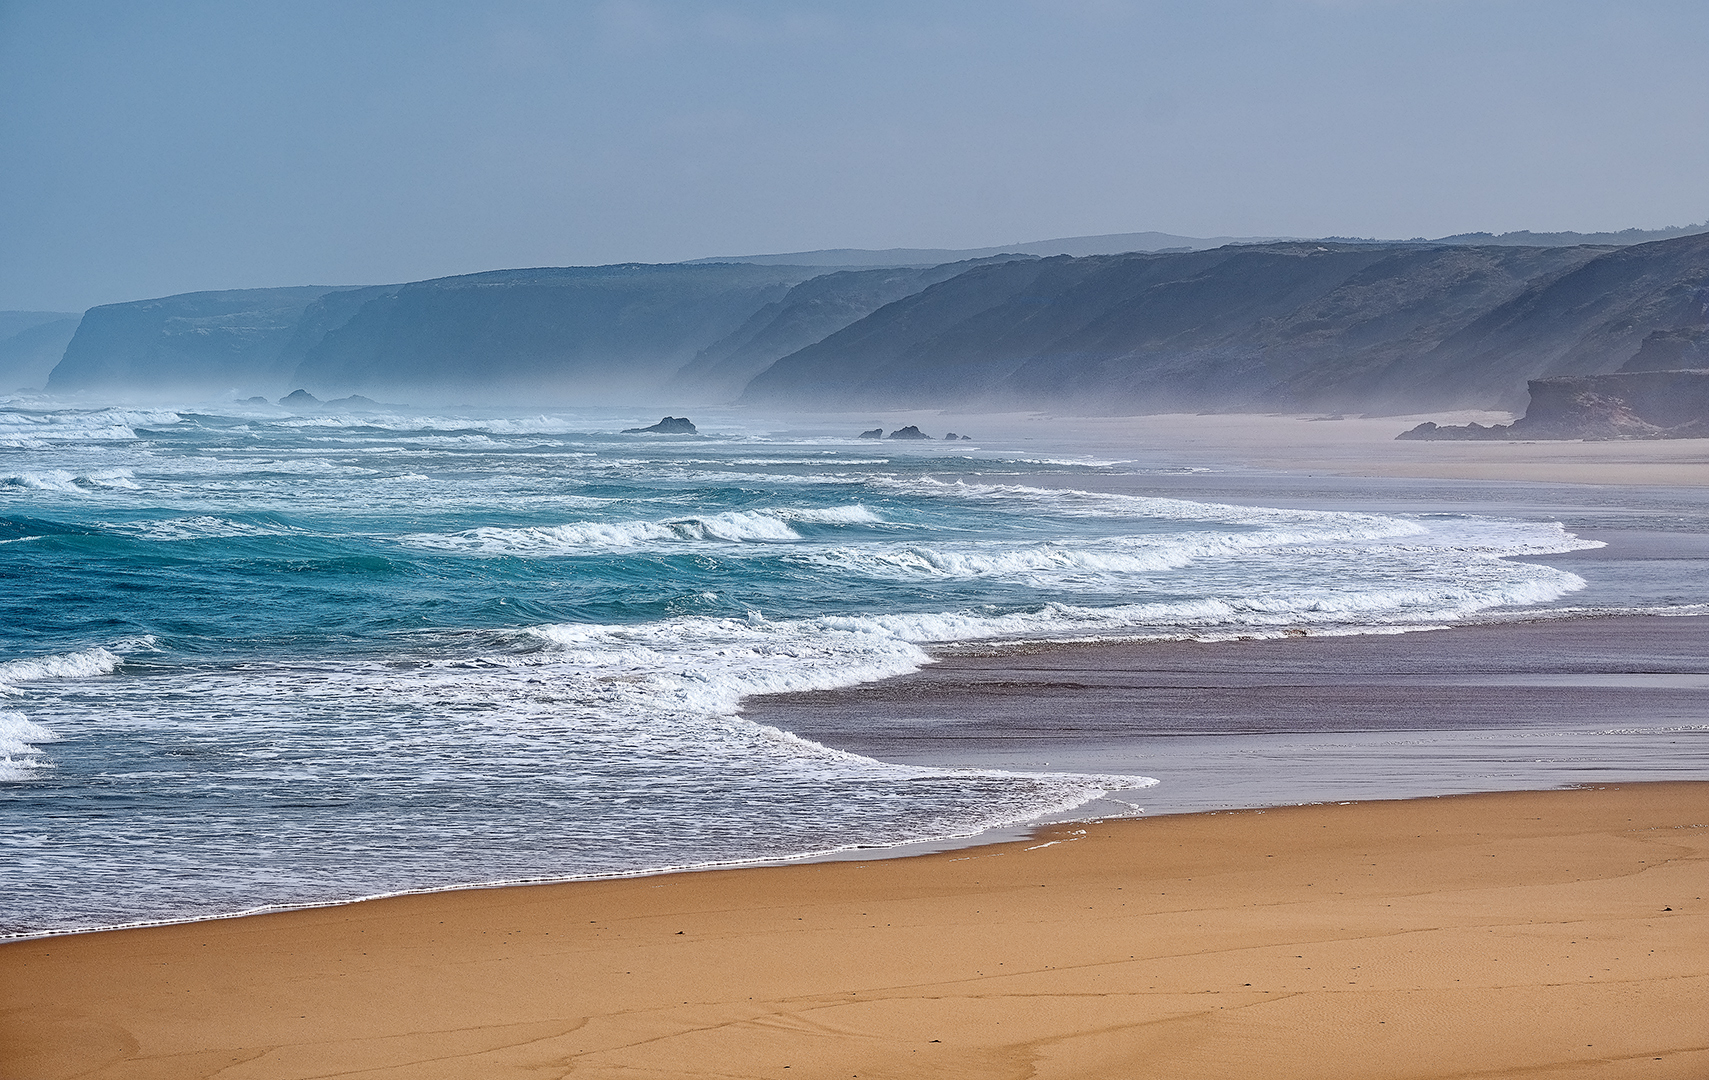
(252,658)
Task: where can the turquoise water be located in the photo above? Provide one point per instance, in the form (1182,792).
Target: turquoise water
(254,658)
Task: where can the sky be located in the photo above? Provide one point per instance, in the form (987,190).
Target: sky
(150,148)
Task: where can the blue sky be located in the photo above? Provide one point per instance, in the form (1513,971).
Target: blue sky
(151,148)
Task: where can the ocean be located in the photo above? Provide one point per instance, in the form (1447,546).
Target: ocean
(252,659)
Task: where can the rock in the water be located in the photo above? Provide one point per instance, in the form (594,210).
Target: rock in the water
(299,399)
(875,433)
(953,437)
(909,432)
(670,425)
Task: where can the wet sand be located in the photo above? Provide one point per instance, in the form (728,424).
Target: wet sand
(1255,723)
(1541,934)
(1347,446)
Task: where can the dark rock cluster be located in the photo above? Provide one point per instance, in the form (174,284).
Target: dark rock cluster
(670,425)
(911,432)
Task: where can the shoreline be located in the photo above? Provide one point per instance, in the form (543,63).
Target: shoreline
(1372,939)
(998,680)
(1347,446)
(1289,720)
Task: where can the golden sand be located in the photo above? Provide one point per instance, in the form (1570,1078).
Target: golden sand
(1540,934)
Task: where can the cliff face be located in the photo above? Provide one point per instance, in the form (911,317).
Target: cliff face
(1587,321)
(1276,326)
(571,334)
(196,341)
(809,312)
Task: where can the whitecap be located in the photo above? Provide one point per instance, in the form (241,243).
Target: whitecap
(69,665)
(729,527)
(20,753)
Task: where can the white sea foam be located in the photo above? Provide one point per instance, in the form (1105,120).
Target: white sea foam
(20,755)
(70,482)
(201,527)
(828,457)
(735,526)
(71,426)
(70,665)
(708,665)
(829,515)
(1059,562)
(386,420)
(1066,502)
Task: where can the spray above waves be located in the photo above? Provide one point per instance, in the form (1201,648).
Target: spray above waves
(39,430)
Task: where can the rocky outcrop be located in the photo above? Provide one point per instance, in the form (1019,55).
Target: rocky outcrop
(670,425)
(1623,405)
(875,433)
(909,432)
(302,400)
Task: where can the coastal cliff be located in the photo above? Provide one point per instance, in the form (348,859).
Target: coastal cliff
(1274,327)
(560,334)
(195,340)
(567,334)
(809,312)
(1371,327)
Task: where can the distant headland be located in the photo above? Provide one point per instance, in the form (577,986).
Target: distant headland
(1259,325)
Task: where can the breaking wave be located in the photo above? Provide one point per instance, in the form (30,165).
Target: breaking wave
(730,527)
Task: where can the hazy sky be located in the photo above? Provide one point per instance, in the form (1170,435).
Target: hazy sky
(151,148)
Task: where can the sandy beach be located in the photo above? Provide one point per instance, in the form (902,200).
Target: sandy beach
(1557,934)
